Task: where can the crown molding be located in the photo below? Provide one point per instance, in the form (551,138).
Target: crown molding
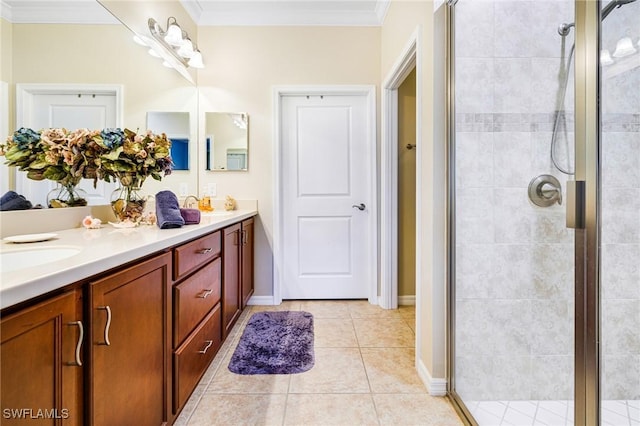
(59,12)
(209,12)
(286,13)
(382,7)
(6,12)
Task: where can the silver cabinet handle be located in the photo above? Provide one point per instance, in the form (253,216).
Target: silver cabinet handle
(360,207)
(78,361)
(206,348)
(244,237)
(205,294)
(106,326)
(205,250)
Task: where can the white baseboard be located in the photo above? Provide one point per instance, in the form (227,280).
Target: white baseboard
(435,386)
(261,300)
(407,300)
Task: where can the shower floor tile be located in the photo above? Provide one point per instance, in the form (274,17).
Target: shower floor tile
(549,413)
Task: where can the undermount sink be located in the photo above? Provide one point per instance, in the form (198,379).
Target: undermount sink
(27,258)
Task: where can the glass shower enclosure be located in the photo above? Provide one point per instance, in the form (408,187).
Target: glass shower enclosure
(544,197)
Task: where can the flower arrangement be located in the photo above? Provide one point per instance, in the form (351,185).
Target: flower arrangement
(68,156)
(132,157)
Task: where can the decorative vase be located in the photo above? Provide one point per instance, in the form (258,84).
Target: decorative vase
(66,196)
(127,202)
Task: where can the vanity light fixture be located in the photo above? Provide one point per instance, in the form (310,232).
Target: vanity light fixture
(176,41)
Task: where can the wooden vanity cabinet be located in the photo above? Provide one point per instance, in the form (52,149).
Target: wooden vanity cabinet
(246,261)
(41,363)
(148,331)
(231,274)
(130,347)
(197,313)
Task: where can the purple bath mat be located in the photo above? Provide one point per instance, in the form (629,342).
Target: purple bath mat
(275,343)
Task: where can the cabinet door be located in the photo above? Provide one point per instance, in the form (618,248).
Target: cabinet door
(40,363)
(231,278)
(131,345)
(247,261)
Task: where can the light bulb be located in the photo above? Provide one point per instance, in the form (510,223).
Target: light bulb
(605,58)
(153,53)
(139,40)
(624,47)
(196,60)
(186,49)
(173,35)
(167,64)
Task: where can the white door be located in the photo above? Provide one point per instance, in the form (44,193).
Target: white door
(69,111)
(327,197)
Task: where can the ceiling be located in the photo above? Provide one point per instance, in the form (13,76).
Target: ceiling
(210,12)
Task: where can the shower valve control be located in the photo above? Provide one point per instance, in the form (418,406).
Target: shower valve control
(545,191)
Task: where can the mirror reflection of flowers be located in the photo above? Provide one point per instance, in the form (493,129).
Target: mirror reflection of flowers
(59,155)
(66,157)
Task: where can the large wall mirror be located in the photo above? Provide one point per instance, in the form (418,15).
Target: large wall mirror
(109,57)
(227,141)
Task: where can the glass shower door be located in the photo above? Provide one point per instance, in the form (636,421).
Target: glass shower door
(513,265)
(620,216)
(545,203)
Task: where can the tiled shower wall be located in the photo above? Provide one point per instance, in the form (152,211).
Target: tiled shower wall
(514,260)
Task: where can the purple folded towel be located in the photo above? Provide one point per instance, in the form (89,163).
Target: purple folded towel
(168,210)
(190,216)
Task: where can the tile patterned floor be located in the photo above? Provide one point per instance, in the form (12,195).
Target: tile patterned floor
(363,375)
(549,413)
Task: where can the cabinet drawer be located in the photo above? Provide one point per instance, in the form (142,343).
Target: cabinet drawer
(194,297)
(194,356)
(190,256)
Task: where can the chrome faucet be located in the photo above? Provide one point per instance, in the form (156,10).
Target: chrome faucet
(186,201)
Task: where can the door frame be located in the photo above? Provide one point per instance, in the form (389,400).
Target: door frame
(26,92)
(406,62)
(369,91)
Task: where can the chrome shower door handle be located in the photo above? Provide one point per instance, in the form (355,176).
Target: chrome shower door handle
(360,206)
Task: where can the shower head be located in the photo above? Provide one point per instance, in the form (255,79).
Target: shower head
(564,29)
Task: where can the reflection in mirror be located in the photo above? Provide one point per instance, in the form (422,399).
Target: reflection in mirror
(145,85)
(177,128)
(227,141)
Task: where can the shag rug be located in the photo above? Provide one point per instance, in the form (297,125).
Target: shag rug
(275,343)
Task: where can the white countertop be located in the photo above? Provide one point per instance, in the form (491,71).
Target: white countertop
(99,250)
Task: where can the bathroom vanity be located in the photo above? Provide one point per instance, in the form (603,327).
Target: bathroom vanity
(122,331)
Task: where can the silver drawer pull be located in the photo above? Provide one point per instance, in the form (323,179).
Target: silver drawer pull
(205,250)
(206,348)
(205,294)
(78,361)
(106,326)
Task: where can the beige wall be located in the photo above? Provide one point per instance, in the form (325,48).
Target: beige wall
(407,186)
(402,20)
(6,40)
(243,66)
